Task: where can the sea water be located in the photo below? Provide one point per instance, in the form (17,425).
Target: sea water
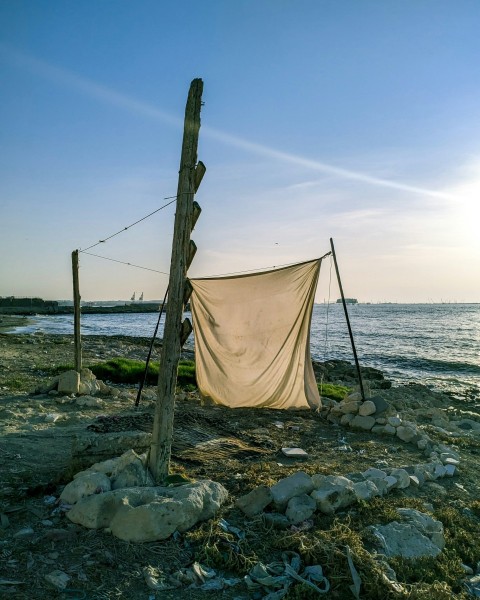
(434,344)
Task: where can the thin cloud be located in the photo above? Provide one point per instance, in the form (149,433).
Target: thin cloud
(95,90)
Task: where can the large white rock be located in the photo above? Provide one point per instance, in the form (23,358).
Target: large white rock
(417,535)
(86,485)
(406,433)
(402,477)
(149,514)
(364,490)
(367,408)
(294,485)
(349,406)
(333,493)
(68,382)
(300,508)
(255,501)
(135,474)
(424,523)
(88,383)
(359,422)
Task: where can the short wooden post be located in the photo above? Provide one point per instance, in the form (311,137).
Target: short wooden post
(76,313)
(160,449)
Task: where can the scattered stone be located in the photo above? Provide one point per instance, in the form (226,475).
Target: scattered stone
(294,453)
(422,443)
(276,520)
(354,397)
(58,579)
(450,470)
(374,473)
(359,422)
(364,490)
(300,508)
(394,421)
(333,493)
(405,433)
(367,408)
(255,501)
(294,485)
(350,406)
(439,471)
(391,482)
(346,419)
(402,477)
(381,405)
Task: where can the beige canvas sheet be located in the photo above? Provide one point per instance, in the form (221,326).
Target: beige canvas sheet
(252,338)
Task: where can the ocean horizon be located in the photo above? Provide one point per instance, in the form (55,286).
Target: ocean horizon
(437,344)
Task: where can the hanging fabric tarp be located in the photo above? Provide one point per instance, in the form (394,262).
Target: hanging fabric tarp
(252,338)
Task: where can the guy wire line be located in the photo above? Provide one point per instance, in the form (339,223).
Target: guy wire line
(125,263)
(254,271)
(132,224)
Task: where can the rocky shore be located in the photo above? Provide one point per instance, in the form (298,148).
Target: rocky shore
(404,461)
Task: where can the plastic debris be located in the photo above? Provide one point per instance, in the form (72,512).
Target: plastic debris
(357,582)
(156,580)
(473,586)
(276,578)
(225,525)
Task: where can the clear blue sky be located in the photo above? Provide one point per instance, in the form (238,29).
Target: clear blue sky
(357,120)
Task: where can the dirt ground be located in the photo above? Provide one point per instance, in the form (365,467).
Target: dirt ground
(238,448)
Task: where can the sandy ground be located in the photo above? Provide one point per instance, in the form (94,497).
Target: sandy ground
(36,461)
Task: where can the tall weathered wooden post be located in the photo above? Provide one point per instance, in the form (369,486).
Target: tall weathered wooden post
(188,181)
(76,313)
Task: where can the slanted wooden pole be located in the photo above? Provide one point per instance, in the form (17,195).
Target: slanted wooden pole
(350,333)
(160,449)
(76,313)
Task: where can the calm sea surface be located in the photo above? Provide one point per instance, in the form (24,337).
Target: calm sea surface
(435,344)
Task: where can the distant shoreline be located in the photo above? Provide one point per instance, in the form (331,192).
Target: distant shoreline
(85,310)
(11,322)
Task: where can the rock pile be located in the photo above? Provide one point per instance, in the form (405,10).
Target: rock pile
(297,497)
(379,417)
(120,495)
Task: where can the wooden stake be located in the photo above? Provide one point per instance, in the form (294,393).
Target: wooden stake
(350,333)
(160,449)
(76,313)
